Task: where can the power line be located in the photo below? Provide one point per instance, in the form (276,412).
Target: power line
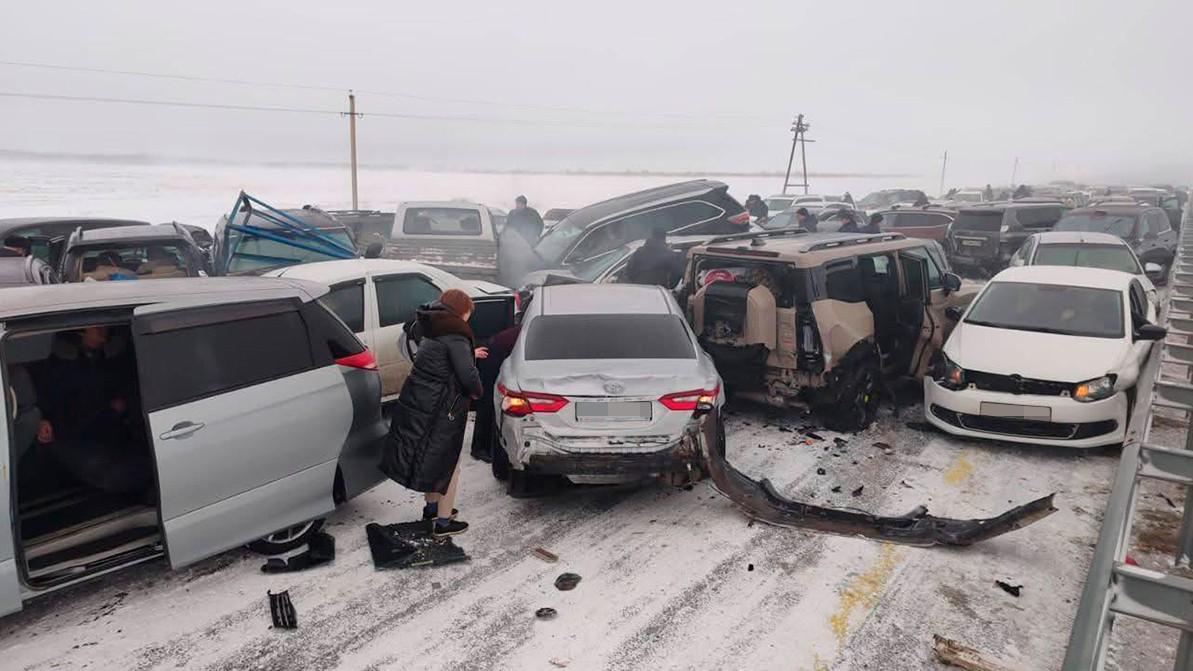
(163,103)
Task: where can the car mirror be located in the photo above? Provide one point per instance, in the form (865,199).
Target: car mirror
(1154,271)
(953,313)
(951,282)
(1150,332)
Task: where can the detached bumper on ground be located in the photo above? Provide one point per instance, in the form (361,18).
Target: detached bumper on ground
(1070,423)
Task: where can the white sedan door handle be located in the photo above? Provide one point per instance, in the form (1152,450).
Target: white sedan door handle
(182,430)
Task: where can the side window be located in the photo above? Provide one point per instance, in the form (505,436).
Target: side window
(399,296)
(934,272)
(347,301)
(913,272)
(1138,304)
(330,337)
(601,239)
(220,356)
(692,216)
(842,282)
(1157,222)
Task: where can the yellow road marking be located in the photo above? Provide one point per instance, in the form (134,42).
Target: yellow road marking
(958,471)
(863,591)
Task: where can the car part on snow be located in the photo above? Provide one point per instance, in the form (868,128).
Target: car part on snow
(546,555)
(1013,590)
(761,500)
(319,550)
(281,609)
(567,582)
(546,613)
(952,653)
(410,545)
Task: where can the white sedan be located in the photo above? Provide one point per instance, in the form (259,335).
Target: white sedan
(1047,355)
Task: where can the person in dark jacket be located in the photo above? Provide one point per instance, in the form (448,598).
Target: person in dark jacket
(426,434)
(757,207)
(807,221)
(849,224)
(525,220)
(655,263)
(501,346)
(848,198)
(875,224)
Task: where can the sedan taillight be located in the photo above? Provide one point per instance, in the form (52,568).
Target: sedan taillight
(523,403)
(696,399)
(363,360)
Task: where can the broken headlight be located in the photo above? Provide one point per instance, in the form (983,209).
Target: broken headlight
(949,374)
(1094,390)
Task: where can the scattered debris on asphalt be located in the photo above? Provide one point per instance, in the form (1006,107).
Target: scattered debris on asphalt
(546,555)
(840,441)
(410,545)
(1168,501)
(952,653)
(820,471)
(1013,590)
(546,613)
(813,436)
(320,550)
(559,662)
(281,609)
(749,567)
(836,490)
(858,491)
(567,582)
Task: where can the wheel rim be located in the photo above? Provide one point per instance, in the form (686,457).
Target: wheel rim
(864,397)
(288,534)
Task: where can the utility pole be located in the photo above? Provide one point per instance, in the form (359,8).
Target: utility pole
(944,163)
(352,142)
(799,131)
(1014,171)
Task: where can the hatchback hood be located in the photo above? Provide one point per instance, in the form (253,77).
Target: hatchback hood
(1039,356)
(611,377)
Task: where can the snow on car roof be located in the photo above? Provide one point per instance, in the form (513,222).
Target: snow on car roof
(1074,276)
(587,299)
(341,270)
(1078,237)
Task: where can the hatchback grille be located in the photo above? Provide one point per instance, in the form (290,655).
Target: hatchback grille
(1030,428)
(1013,384)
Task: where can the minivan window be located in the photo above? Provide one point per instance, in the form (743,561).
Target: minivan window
(602,336)
(441,221)
(978,221)
(398,297)
(1049,308)
(1122,225)
(1110,257)
(347,301)
(199,361)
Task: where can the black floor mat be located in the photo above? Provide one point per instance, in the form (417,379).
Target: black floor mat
(410,545)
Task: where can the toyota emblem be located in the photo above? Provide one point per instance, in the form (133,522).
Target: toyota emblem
(614,388)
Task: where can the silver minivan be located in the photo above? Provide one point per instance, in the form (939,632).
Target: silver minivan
(177,418)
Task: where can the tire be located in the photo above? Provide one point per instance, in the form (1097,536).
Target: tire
(501,460)
(287,539)
(857,406)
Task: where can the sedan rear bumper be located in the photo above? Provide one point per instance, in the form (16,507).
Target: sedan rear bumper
(535,451)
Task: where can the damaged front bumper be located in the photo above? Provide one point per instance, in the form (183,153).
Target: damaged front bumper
(761,500)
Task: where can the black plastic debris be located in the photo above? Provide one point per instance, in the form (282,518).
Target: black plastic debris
(836,490)
(820,471)
(318,551)
(858,491)
(813,436)
(410,545)
(546,613)
(567,582)
(749,567)
(784,429)
(1013,590)
(840,441)
(281,609)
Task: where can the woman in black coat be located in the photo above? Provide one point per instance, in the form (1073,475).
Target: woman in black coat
(426,433)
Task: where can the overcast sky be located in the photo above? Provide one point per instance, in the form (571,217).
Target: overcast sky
(1092,89)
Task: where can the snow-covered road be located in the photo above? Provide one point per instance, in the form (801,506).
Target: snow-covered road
(671,578)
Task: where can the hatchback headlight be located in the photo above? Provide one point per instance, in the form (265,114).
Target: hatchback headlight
(1094,390)
(949,374)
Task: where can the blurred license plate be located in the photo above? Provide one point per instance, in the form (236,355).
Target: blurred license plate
(1035,412)
(614,410)
(971,243)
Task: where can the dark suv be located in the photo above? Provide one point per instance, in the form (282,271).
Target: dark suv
(984,238)
(1146,228)
(132,253)
(696,207)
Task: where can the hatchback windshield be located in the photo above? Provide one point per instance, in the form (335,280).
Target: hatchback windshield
(604,337)
(1110,257)
(556,241)
(1050,308)
(1121,225)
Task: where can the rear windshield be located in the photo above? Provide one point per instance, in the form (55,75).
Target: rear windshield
(978,221)
(252,253)
(148,261)
(630,336)
(441,221)
(1098,222)
(1110,257)
(1050,308)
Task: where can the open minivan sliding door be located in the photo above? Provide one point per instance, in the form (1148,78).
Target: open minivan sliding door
(10,581)
(915,323)
(247,421)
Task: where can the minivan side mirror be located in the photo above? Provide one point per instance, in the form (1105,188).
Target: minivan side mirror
(1150,332)
(951,282)
(953,313)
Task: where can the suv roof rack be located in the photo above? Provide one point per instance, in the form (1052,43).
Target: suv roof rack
(841,242)
(758,235)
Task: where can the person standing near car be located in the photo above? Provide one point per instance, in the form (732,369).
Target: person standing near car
(806,221)
(654,262)
(875,224)
(848,223)
(757,207)
(525,220)
(426,434)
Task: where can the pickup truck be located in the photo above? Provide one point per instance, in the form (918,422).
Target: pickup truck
(457,236)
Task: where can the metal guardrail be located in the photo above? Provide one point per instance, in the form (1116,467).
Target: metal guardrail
(1113,587)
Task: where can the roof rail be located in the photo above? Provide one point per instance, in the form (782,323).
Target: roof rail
(830,244)
(754,235)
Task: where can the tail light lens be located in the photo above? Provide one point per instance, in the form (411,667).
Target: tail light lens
(523,403)
(696,399)
(363,360)
(741,219)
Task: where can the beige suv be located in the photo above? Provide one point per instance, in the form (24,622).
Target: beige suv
(818,321)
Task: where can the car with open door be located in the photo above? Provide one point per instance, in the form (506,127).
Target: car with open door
(376,297)
(174,420)
(818,320)
(607,383)
(45,237)
(17,270)
(1045,355)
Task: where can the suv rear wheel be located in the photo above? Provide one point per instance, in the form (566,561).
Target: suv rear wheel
(857,405)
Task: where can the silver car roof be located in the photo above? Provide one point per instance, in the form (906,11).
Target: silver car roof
(60,298)
(587,299)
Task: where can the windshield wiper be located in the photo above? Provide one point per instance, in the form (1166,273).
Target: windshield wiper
(1018,327)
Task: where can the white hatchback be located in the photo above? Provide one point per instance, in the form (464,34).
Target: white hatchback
(1047,355)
